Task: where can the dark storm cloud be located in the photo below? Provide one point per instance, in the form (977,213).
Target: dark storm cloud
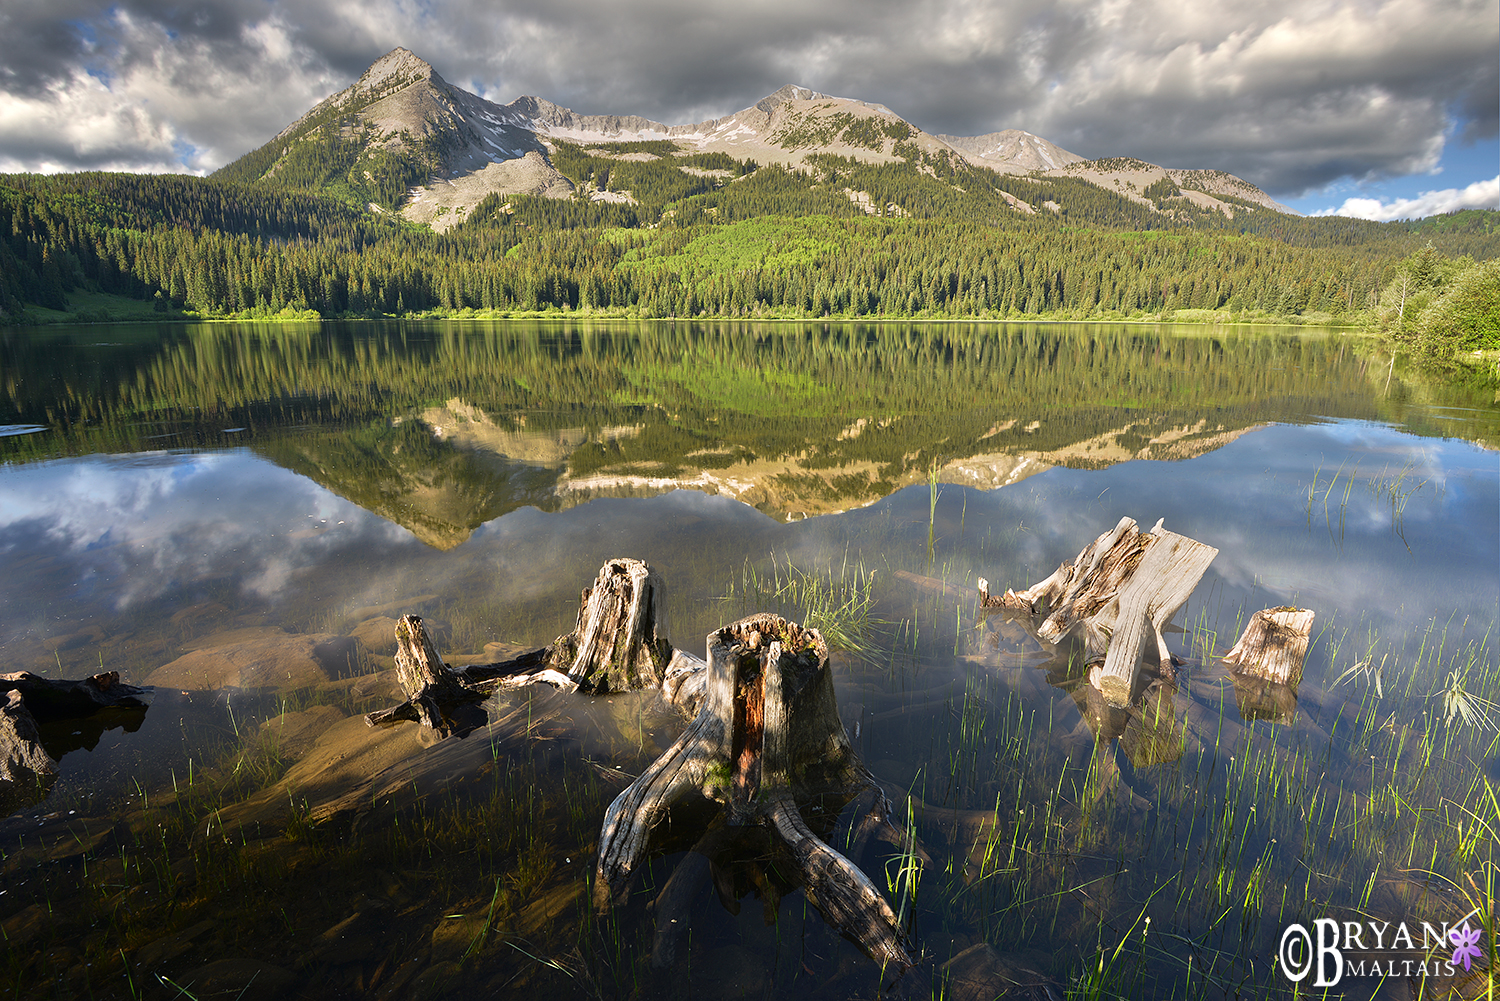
(1288,94)
(1477,106)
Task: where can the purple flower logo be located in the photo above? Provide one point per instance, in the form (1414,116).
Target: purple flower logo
(1465,941)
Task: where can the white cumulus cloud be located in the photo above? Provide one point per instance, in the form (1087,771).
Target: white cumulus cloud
(1290,94)
(79,122)
(1479,195)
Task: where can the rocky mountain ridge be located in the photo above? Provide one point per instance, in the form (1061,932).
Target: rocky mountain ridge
(408,140)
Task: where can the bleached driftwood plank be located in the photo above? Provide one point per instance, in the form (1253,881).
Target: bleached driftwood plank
(1160,585)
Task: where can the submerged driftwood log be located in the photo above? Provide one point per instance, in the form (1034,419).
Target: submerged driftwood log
(1123,587)
(47,699)
(27,770)
(768,746)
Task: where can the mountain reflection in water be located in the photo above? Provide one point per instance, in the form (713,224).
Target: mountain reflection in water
(441,427)
(239,512)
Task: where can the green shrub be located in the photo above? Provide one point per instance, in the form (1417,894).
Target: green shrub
(1466,316)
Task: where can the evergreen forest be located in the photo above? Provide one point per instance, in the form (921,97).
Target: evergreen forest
(688,235)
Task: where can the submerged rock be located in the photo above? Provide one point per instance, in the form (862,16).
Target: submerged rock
(296,733)
(234,978)
(261,657)
(378,635)
(169,947)
(337,773)
(26,924)
(353,939)
(982,973)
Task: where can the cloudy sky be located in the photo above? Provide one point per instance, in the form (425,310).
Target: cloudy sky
(1372,107)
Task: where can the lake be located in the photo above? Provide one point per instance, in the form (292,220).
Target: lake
(236,514)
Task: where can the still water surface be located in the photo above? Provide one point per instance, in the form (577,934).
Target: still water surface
(235,514)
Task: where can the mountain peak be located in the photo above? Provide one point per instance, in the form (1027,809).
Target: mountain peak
(410,142)
(399,66)
(791,92)
(1012,149)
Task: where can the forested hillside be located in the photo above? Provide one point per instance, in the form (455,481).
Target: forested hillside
(692,235)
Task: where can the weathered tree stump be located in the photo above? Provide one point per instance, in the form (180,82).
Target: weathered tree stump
(1079,588)
(619,645)
(686,683)
(765,742)
(1266,663)
(1273,645)
(1124,585)
(435,696)
(769,747)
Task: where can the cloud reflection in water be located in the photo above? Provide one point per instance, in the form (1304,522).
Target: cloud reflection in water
(108,536)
